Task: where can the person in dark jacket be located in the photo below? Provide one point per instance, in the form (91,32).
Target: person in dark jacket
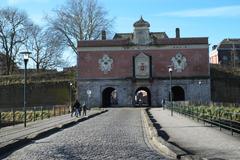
(84,109)
(80,110)
(76,106)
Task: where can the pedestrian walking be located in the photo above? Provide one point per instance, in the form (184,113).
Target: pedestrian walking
(80,110)
(84,109)
(76,106)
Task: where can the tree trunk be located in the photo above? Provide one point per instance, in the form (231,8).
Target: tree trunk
(37,67)
(7,65)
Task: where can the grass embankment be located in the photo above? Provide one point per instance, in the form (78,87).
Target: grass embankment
(213,112)
(39,77)
(9,118)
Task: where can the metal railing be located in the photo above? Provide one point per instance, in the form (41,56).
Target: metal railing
(13,116)
(215,117)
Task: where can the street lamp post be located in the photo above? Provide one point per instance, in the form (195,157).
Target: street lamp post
(170,70)
(200,95)
(70,94)
(26,58)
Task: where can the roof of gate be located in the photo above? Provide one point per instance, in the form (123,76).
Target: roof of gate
(157,42)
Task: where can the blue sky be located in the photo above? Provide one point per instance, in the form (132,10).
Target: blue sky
(216,19)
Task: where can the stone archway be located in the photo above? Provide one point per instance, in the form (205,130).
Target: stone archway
(142,97)
(109,97)
(178,93)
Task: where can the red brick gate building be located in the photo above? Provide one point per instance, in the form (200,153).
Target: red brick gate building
(132,68)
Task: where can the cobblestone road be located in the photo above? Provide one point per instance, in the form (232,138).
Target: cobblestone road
(117,134)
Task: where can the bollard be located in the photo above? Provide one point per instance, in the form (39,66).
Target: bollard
(211,117)
(197,114)
(189,111)
(41,112)
(54,114)
(219,119)
(48,109)
(34,113)
(184,110)
(231,124)
(192,112)
(203,117)
(0,119)
(13,112)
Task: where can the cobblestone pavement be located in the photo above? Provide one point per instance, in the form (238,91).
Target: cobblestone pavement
(117,134)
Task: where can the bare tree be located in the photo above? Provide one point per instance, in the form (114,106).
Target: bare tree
(80,20)
(14,25)
(47,48)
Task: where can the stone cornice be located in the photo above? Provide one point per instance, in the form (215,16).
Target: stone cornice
(132,48)
(149,79)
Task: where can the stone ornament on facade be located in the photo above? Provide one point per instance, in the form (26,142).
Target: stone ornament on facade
(105,64)
(179,62)
(142,66)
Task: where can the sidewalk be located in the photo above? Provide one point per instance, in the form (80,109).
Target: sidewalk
(197,139)
(14,136)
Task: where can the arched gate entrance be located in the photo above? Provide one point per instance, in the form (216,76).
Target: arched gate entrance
(178,93)
(142,97)
(109,97)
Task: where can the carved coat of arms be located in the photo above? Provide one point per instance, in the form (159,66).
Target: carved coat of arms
(179,62)
(105,64)
(142,66)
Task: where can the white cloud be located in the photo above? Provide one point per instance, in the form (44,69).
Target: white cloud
(225,11)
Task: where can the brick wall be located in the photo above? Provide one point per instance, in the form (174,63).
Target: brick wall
(122,67)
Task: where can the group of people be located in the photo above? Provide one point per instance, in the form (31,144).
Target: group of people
(77,109)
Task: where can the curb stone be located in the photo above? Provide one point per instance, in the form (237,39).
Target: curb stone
(163,146)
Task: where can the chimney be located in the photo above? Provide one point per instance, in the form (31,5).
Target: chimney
(103,35)
(177,33)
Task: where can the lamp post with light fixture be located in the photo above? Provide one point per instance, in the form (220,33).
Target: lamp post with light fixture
(170,70)
(200,95)
(26,58)
(70,94)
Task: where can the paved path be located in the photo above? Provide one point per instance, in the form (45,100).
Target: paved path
(11,134)
(116,134)
(200,140)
